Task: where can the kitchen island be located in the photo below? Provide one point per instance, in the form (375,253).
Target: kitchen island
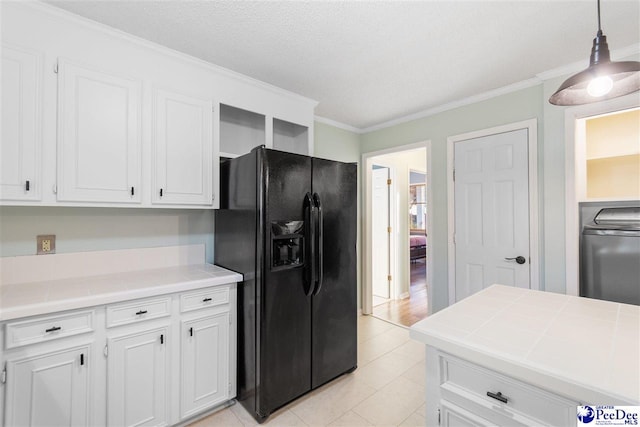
(510,356)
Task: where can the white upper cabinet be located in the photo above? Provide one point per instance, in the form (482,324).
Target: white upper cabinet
(182,149)
(99,146)
(125,118)
(20,141)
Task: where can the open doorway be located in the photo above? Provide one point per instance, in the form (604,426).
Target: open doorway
(396,252)
(601,166)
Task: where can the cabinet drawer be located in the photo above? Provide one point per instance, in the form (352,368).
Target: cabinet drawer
(204,298)
(48,328)
(525,404)
(138,311)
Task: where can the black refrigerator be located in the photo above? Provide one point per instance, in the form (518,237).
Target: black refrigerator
(287,222)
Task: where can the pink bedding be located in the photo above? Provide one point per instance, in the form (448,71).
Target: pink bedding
(417,241)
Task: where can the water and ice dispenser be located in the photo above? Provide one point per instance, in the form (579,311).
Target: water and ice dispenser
(287,239)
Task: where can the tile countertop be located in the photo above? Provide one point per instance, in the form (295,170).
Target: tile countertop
(42,297)
(582,348)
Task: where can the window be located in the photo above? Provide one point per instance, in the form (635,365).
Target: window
(418,207)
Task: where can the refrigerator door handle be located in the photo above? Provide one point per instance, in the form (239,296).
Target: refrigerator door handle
(309,255)
(319,242)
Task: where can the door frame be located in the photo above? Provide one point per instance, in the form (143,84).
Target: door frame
(532,127)
(575,177)
(367,162)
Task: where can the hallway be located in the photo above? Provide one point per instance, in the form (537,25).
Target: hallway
(410,310)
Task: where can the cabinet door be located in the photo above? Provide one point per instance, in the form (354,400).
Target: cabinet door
(205,363)
(20,140)
(99,157)
(49,390)
(183,147)
(455,416)
(137,381)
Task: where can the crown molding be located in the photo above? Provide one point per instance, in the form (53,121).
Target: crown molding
(621,53)
(456,104)
(114,32)
(337,124)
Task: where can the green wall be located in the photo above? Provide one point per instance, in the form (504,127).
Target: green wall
(96,229)
(336,144)
(513,107)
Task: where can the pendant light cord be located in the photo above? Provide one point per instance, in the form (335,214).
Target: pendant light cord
(599,29)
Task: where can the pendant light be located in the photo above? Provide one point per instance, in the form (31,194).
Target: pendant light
(603,79)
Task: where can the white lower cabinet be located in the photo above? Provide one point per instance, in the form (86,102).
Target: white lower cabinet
(452,415)
(50,389)
(205,361)
(137,379)
(155,361)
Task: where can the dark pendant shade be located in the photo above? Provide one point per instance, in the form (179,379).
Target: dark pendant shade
(615,78)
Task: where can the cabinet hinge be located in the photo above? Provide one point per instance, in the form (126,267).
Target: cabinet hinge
(54,189)
(105,351)
(454,175)
(3,377)
(388,229)
(454,238)
(229,389)
(389,181)
(55,68)
(438,416)
(389,277)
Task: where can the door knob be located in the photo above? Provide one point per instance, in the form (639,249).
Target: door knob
(519,259)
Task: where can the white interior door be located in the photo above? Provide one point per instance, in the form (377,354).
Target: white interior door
(380,232)
(491,212)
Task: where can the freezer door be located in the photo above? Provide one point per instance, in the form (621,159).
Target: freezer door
(285,305)
(333,307)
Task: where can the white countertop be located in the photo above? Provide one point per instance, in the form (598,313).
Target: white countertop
(579,347)
(42,297)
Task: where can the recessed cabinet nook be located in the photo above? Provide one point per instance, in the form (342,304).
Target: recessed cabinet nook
(94,117)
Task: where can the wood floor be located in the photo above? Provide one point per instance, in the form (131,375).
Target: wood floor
(410,310)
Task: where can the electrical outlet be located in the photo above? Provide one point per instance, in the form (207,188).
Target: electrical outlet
(46,244)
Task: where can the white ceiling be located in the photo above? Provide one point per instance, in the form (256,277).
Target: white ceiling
(370,62)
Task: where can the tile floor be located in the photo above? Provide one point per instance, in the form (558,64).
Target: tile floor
(387,389)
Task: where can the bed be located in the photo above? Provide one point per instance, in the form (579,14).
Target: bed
(417,245)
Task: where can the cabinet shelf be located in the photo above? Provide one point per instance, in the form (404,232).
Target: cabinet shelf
(240,130)
(290,137)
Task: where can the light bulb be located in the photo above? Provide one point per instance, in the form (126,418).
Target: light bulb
(600,86)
